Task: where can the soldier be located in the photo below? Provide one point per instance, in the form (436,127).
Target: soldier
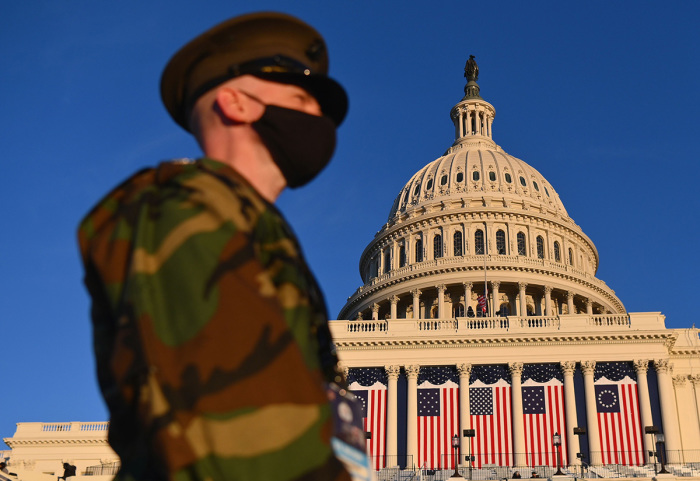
(211,338)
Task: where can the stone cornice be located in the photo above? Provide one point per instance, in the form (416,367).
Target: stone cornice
(498,341)
(13,443)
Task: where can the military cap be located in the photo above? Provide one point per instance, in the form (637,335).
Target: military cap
(268,45)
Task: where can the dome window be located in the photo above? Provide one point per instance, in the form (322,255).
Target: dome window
(509,179)
(475,176)
(417,190)
(419,250)
(457,242)
(387,261)
(402,255)
(537,187)
(571,256)
(522,246)
(557,252)
(443,180)
(546,191)
(405,197)
(501,242)
(479,242)
(540,247)
(492,176)
(429,185)
(437,246)
(460,177)
(522,181)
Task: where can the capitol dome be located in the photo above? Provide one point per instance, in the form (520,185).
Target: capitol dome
(478,222)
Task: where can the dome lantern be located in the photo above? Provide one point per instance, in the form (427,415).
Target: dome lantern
(472,116)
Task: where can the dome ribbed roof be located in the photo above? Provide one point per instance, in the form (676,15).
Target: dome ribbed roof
(477,171)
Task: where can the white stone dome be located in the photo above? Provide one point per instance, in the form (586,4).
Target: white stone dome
(478,221)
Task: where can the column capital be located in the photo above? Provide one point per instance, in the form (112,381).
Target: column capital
(416,292)
(679,380)
(568,367)
(548,290)
(375,307)
(394,299)
(663,366)
(588,367)
(495,285)
(641,366)
(412,371)
(392,371)
(441,288)
(522,285)
(516,368)
(464,369)
(569,295)
(344,369)
(695,379)
(468,285)
(589,302)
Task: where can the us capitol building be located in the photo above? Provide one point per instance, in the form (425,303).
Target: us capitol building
(482,337)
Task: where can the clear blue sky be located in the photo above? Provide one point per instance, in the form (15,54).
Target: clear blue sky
(601,97)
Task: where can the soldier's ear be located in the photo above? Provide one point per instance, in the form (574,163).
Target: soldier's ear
(236,106)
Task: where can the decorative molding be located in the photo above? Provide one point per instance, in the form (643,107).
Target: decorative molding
(465,370)
(679,380)
(516,368)
(641,366)
(663,366)
(412,371)
(568,367)
(393,371)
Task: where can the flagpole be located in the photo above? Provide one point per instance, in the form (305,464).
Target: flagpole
(486,291)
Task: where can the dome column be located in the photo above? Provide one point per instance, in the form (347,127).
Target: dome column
(394,301)
(416,303)
(589,311)
(588,368)
(641,366)
(548,300)
(516,399)
(375,311)
(570,302)
(412,414)
(465,371)
(392,414)
(494,292)
(572,441)
(523,301)
(667,398)
(441,301)
(467,296)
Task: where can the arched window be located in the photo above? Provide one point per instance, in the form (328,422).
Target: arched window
(557,252)
(443,180)
(571,256)
(402,255)
(501,242)
(387,261)
(457,241)
(540,247)
(437,246)
(479,242)
(460,176)
(522,246)
(475,175)
(430,184)
(492,176)
(419,250)
(458,311)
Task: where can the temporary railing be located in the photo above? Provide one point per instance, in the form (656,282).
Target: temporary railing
(102,469)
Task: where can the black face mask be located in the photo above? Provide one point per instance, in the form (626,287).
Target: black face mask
(300,144)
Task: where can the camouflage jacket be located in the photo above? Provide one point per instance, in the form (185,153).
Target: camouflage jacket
(210,332)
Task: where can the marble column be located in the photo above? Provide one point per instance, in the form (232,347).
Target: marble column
(394,300)
(686,405)
(416,303)
(588,368)
(516,398)
(465,371)
(392,424)
(589,311)
(570,302)
(412,414)
(523,300)
(695,381)
(375,311)
(494,293)
(641,366)
(568,368)
(667,398)
(441,301)
(467,296)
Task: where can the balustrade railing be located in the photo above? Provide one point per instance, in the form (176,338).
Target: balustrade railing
(368,326)
(103,469)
